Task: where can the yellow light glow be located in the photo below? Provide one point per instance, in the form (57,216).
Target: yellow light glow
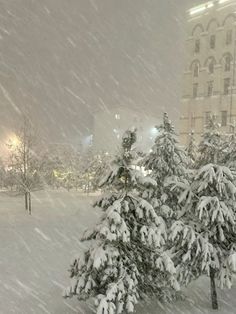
(13,141)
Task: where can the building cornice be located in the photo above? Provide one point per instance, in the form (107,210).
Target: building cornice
(207,6)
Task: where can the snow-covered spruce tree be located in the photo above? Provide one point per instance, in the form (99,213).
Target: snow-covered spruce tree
(229,147)
(125,260)
(103,160)
(166,161)
(211,147)
(204,239)
(191,150)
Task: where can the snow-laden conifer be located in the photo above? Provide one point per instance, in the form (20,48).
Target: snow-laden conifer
(191,150)
(211,148)
(166,161)
(204,238)
(230,147)
(125,259)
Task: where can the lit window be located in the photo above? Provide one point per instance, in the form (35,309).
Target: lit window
(197,46)
(211,67)
(227,63)
(223,118)
(196,70)
(195,90)
(209,88)
(226,86)
(229,36)
(212,41)
(117,116)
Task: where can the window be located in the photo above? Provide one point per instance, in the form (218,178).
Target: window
(229,37)
(197,46)
(196,70)
(195,90)
(207,117)
(212,41)
(227,63)
(223,118)
(226,86)
(209,88)
(211,67)
(193,120)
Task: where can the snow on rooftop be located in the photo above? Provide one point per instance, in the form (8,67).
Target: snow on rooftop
(207,5)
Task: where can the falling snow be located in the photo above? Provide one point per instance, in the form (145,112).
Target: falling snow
(76,70)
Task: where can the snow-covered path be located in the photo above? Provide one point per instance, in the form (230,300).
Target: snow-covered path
(35,252)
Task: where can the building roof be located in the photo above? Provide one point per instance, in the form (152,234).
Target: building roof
(208,5)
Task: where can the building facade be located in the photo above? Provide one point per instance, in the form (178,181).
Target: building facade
(110,125)
(209,77)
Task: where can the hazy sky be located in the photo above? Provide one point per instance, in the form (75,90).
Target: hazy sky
(61,60)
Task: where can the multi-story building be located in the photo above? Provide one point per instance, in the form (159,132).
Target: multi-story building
(209,77)
(110,125)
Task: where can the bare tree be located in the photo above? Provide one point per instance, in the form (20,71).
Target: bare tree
(23,160)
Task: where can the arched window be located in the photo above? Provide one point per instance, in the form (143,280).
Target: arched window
(195,90)
(197,46)
(211,65)
(227,60)
(229,36)
(212,41)
(196,70)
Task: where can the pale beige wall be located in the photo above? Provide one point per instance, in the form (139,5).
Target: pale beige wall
(216,20)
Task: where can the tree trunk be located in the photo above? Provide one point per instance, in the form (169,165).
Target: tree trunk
(29,197)
(26,201)
(213,289)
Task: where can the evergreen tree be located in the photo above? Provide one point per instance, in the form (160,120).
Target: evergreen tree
(229,148)
(166,162)
(211,148)
(191,150)
(204,239)
(101,165)
(126,259)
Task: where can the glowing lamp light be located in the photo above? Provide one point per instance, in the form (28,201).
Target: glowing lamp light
(14,141)
(154,131)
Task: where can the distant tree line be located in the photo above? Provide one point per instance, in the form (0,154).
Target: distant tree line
(31,166)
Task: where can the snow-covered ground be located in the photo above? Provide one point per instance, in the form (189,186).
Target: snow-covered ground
(35,253)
